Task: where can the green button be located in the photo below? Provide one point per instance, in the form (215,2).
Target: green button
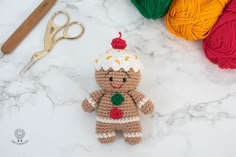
(117,99)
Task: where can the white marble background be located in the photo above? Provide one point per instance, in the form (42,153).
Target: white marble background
(195,100)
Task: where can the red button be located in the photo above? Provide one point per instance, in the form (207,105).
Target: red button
(116,113)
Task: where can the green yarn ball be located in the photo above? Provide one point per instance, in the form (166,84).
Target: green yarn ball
(152,9)
(117,99)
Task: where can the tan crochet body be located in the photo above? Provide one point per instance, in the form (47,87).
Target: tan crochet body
(128,106)
(129,123)
(129,110)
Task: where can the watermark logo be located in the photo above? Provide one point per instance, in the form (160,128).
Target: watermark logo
(19,134)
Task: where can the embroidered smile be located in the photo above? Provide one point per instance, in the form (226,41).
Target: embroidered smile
(116,87)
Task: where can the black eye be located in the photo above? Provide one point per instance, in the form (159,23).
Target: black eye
(110,79)
(124,80)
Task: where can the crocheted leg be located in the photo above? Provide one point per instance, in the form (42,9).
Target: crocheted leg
(105,132)
(133,133)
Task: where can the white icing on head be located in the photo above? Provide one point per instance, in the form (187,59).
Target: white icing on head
(117,59)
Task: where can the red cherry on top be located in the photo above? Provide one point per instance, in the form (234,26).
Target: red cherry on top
(118,43)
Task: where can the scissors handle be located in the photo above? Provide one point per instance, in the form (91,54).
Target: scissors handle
(52,20)
(52,34)
(66,35)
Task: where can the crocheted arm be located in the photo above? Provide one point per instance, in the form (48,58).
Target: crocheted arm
(144,104)
(91,102)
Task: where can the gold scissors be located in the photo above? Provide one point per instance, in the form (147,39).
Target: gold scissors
(52,37)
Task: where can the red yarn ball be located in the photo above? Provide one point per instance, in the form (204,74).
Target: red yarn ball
(116,113)
(118,43)
(220,45)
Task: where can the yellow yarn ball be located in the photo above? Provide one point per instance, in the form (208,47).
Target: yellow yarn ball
(193,19)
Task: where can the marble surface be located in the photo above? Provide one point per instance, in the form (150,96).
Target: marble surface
(195,101)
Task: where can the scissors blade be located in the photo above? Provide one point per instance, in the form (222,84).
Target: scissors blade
(1,55)
(27,67)
(37,56)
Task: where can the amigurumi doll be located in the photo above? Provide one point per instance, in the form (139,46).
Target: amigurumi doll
(118,73)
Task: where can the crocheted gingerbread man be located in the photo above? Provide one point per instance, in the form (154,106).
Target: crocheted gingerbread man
(118,73)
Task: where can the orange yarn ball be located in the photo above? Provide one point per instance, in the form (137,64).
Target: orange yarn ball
(193,19)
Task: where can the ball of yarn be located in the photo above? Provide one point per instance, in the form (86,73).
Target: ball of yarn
(193,19)
(220,45)
(152,9)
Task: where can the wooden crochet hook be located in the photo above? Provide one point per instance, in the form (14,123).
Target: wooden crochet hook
(26,27)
